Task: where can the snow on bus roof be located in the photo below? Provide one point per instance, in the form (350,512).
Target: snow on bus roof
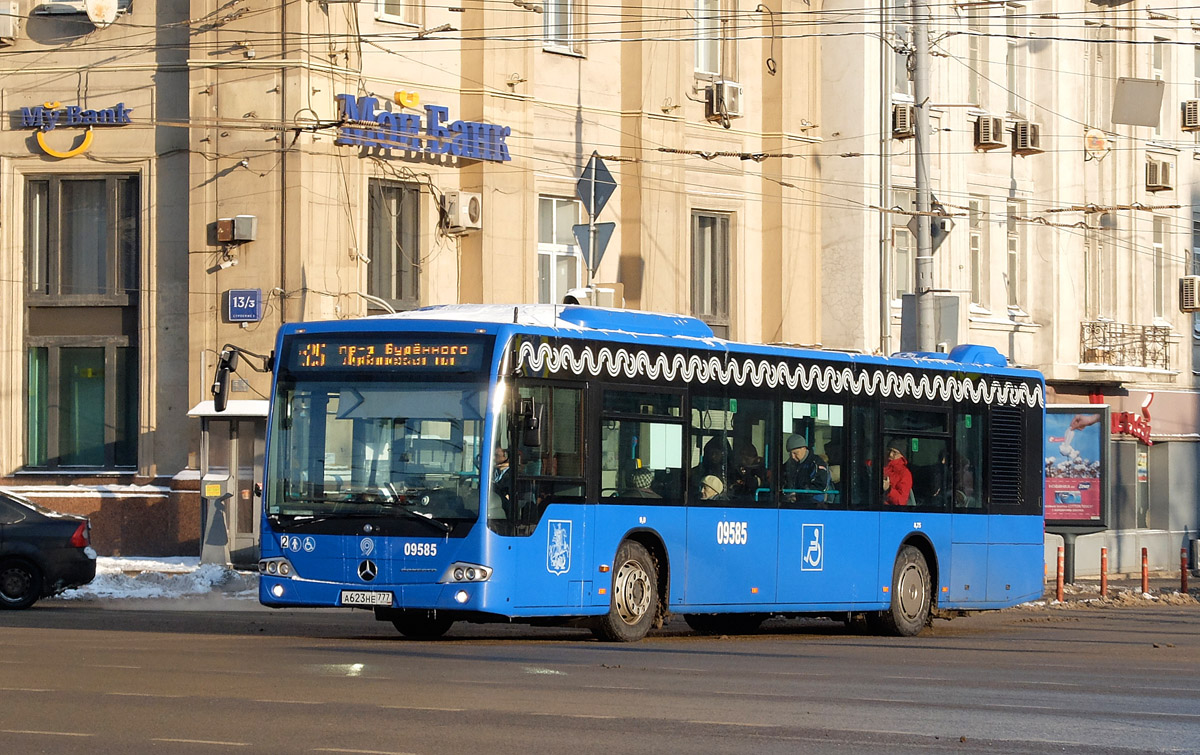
(567,317)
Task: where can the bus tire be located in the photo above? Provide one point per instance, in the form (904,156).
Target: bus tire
(725,623)
(421,625)
(633,598)
(911,596)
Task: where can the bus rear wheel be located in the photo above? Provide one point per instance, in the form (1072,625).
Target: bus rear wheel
(911,596)
(634,596)
(421,625)
(725,623)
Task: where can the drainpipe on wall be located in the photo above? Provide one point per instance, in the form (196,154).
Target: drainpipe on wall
(885,179)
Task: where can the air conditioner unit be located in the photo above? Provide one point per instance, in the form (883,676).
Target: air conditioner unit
(989,132)
(723,99)
(1189,120)
(60,6)
(1027,138)
(1189,293)
(1158,175)
(10,22)
(904,121)
(462,210)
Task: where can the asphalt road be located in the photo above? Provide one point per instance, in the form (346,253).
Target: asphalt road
(137,677)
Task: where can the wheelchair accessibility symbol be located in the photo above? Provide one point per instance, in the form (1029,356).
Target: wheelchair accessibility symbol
(812,543)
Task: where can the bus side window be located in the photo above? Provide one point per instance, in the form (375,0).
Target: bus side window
(862,469)
(968,461)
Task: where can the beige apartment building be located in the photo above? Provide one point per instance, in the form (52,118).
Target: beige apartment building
(1072,227)
(186,175)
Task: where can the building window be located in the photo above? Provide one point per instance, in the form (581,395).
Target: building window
(560,25)
(904,243)
(1015,270)
(1161,266)
(977,238)
(1016,65)
(393,234)
(902,83)
(977,55)
(1160,62)
(560,264)
(1100,271)
(710,269)
(410,12)
(716,39)
(1195,270)
(83,246)
(1100,54)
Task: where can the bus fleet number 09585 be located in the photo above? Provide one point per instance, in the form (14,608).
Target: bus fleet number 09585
(732,533)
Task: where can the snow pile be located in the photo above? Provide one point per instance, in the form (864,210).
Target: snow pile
(1088,596)
(163,578)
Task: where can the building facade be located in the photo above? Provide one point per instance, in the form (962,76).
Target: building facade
(1072,224)
(252,163)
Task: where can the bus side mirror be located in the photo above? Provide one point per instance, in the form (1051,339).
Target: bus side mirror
(226,363)
(531,435)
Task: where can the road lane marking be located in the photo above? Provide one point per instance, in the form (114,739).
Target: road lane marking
(102,665)
(419,707)
(143,694)
(24,689)
(201,742)
(46,733)
(361,752)
(289,702)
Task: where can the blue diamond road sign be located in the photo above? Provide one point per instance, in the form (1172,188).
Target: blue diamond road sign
(596,185)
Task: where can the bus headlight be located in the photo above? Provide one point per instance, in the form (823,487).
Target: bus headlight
(276,567)
(464,572)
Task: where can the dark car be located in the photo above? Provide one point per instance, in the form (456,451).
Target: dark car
(42,552)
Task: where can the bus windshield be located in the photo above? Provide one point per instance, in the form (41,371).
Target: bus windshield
(386,449)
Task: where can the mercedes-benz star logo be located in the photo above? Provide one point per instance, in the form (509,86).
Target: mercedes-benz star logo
(367,571)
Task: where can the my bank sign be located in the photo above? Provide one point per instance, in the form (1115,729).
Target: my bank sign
(363,125)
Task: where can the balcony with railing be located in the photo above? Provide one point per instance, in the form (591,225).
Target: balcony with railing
(1118,344)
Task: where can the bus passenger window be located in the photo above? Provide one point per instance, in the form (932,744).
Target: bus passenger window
(917,444)
(862,468)
(811,469)
(968,462)
(641,446)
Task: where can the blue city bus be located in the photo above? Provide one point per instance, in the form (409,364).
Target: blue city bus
(603,468)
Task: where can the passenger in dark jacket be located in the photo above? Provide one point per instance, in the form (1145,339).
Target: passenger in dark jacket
(805,476)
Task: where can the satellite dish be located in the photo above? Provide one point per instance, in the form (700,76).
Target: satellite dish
(101,13)
(1095,143)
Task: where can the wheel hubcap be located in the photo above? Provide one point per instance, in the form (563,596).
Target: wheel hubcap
(14,583)
(632,587)
(910,590)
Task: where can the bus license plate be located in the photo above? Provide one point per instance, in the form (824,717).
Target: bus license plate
(366,598)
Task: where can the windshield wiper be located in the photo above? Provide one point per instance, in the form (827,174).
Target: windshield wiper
(427,518)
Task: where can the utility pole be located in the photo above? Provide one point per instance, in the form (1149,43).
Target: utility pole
(926,333)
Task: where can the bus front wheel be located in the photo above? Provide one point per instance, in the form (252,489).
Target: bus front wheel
(634,596)
(911,596)
(421,625)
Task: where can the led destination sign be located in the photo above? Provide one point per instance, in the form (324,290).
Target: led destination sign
(383,353)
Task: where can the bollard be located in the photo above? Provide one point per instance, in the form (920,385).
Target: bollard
(1183,586)
(1145,573)
(1058,583)
(1104,572)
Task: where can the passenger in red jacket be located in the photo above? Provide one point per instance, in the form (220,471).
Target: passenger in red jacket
(897,480)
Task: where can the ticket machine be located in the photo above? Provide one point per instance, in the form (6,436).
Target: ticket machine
(231,462)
